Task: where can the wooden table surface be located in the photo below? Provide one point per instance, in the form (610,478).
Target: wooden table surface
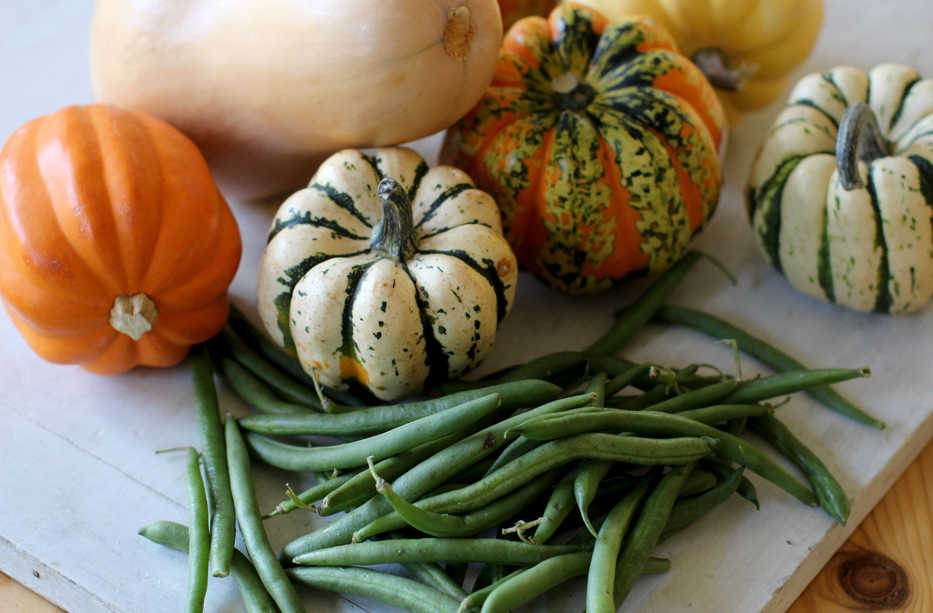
(886,565)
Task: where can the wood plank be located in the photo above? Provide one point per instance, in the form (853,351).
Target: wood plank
(887,563)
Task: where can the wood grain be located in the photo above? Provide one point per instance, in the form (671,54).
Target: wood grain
(15,598)
(887,563)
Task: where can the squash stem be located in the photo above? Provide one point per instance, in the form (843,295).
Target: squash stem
(133,315)
(712,63)
(859,139)
(394,236)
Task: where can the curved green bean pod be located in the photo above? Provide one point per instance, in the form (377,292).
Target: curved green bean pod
(223,518)
(372,420)
(361,483)
(380,446)
(790,381)
(763,351)
(719,413)
(199,539)
(253,391)
(596,446)
(254,535)
(639,312)
(829,492)
(697,398)
(559,506)
(254,595)
(667,424)
(601,577)
(518,447)
(434,550)
(647,530)
(624,379)
(393,590)
(688,510)
(447,525)
(585,485)
(425,477)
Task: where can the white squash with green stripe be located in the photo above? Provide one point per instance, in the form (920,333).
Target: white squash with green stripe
(385,272)
(840,195)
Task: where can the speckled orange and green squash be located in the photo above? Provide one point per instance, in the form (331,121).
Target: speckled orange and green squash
(599,142)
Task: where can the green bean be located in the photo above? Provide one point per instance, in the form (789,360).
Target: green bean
(247,514)
(630,449)
(597,387)
(558,507)
(640,401)
(383,445)
(789,382)
(667,424)
(571,565)
(698,482)
(719,413)
(434,550)
(625,378)
(585,485)
(695,399)
(688,510)
(253,391)
(223,519)
(723,469)
(639,312)
(601,577)
(518,447)
(544,367)
(312,494)
(763,351)
(434,576)
(519,394)
(289,389)
(425,476)
(361,483)
(199,539)
(447,525)
(647,530)
(393,590)
(829,492)
(254,595)
(260,343)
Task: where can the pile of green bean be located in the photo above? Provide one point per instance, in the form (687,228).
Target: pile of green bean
(577,463)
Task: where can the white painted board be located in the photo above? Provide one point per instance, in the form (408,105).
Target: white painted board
(79,476)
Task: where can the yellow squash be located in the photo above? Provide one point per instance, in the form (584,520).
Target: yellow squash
(758,42)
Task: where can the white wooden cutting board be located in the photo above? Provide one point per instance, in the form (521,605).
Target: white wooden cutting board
(79,476)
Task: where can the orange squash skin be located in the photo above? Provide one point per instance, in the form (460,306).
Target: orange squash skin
(599,142)
(98,202)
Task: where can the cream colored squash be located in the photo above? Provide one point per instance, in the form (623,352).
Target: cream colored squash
(269,88)
(385,271)
(841,193)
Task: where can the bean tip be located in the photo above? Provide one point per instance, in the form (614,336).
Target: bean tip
(865,371)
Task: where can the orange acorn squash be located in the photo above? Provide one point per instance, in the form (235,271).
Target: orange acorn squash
(599,142)
(116,248)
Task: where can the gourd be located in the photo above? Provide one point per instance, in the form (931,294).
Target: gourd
(747,48)
(840,195)
(599,143)
(383,272)
(513,10)
(116,248)
(269,89)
